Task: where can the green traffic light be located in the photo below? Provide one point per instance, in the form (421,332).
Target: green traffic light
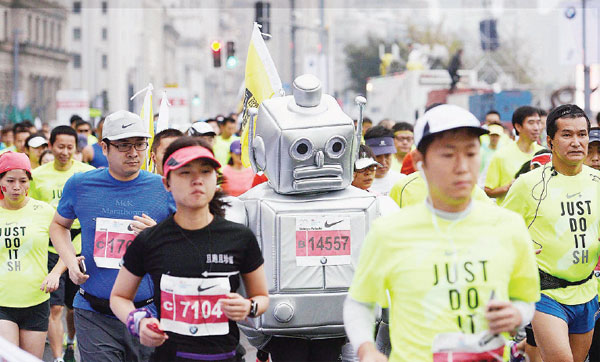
(231,62)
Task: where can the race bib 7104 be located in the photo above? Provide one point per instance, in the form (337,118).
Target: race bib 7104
(189,306)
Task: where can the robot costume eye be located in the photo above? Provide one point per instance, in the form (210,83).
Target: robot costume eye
(302,149)
(335,147)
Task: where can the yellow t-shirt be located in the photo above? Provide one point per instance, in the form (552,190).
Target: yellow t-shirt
(24,254)
(440,278)
(396,165)
(566,226)
(47,186)
(504,165)
(412,190)
(221,148)
(91,139)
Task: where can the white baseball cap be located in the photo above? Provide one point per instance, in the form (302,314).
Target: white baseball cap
(201,128)
(444,118)
(363,163)
(37,141)
(123,124)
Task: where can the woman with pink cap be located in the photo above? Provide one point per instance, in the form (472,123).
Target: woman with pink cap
(24,224)
(197,261)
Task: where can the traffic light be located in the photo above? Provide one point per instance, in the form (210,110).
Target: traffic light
(488,34)
(263,15)
(231,61)
(215,46)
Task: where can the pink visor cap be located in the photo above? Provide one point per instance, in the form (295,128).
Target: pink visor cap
(185,155)
(14,161)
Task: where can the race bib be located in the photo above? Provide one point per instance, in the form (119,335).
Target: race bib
(189,306)
(597,270)
(323,240)
(111,240)
(460,347)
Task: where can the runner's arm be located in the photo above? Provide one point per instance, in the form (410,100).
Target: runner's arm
(236,307)
(87,153)
(527,311)
(121,303)
(61,240)
(141,222)
(359,322)
(52,280)
(507,316)
(498,191)
(123,293)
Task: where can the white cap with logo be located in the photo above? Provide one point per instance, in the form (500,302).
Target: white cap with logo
(444,118)
(123,124)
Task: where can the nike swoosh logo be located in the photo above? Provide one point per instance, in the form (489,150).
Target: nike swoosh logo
(573,195)
(127,125)
(200,289)
(328,225)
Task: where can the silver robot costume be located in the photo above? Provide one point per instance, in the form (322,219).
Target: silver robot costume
(309,222)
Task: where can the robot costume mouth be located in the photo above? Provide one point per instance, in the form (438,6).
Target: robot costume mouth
(310,177)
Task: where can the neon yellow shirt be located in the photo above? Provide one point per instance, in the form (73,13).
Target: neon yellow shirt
(396,165)
(566,226)
(24,254)
(47,186)
(504,140)
(407,255)
(412,190)
(504,165)
(91,139)
(221,148)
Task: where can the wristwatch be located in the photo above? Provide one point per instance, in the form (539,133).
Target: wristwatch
(253,308)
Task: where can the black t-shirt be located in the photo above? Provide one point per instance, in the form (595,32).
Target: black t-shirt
(218,251)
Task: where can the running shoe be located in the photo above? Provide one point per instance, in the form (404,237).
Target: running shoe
(69,355)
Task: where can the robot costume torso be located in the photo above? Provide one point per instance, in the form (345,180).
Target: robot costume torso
(309,222)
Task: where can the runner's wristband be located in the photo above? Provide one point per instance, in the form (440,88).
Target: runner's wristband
(134,318)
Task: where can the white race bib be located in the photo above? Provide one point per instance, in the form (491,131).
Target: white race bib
(460,347)
(111,240)
(323,237)
(189,306)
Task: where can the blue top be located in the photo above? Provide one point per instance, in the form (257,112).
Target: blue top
(94,194)
(99,159)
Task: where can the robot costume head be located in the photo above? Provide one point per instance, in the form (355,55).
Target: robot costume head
(304,143)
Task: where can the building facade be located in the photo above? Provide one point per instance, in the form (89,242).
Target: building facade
(33,57)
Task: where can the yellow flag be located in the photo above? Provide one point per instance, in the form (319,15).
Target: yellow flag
(261,82)
(148,117)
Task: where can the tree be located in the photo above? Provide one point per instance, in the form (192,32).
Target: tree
(362,61)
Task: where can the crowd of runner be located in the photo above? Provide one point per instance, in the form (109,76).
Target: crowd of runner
(489,233)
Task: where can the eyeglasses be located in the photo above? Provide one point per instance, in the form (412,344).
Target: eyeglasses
(126,147)
(371,168)
(404,139)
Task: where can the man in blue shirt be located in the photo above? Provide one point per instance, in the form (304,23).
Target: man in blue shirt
(113,205)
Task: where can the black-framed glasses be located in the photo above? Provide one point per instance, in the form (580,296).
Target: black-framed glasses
(126,146)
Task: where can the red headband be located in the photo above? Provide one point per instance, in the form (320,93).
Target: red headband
(541,160)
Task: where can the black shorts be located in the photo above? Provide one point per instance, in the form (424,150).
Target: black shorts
(530,336)
(66,291)
(29,318)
